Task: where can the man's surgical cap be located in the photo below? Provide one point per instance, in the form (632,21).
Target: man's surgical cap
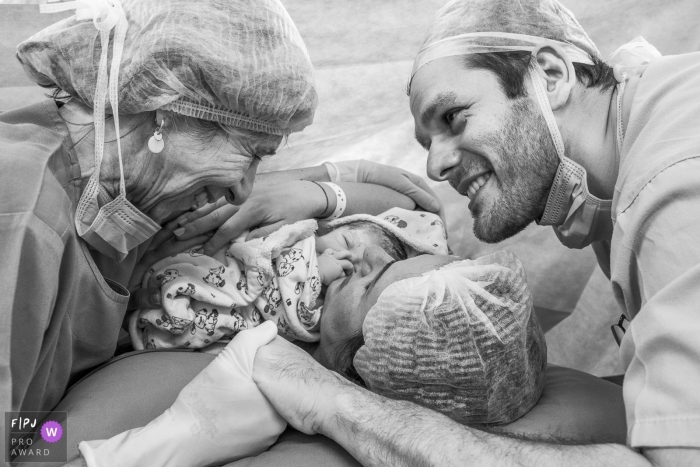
(462,340)
(464,27)
(238,62)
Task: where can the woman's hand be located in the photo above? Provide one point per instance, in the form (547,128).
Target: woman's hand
(402,181)
(267,209)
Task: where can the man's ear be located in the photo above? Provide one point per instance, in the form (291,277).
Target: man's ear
(557,71)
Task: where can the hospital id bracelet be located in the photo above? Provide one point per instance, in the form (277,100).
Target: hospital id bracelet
(341,201)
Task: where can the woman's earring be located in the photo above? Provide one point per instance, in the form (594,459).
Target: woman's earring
(155,142)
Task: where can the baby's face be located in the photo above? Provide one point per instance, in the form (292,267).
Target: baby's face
(344,238)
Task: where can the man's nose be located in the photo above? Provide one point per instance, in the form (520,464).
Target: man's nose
(374,258)
(442,161)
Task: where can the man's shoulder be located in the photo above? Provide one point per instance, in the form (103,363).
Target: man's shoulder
(664,124)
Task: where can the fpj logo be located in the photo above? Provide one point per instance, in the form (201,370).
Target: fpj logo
(36,437)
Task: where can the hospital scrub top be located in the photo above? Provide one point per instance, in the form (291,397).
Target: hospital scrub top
(653,258)
(62,304)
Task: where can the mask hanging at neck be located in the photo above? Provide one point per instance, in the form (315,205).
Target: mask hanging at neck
(578,217)
(117,227)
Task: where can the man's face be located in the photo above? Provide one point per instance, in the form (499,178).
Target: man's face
(494,150)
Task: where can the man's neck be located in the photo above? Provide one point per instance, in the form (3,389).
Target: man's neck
(589,127)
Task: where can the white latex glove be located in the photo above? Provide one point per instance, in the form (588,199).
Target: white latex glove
(402,181)
(219,417)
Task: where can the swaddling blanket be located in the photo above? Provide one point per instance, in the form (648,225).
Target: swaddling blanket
(207,298)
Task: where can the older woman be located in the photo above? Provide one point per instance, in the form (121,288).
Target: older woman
(196,93)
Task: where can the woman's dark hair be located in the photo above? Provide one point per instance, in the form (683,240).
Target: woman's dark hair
(344,355)
(511,67)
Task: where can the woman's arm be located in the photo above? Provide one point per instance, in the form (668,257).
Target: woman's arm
(362,171)
(270,207)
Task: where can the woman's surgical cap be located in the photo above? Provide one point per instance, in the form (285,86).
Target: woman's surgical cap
(465,27)
(462,340)
(238,62)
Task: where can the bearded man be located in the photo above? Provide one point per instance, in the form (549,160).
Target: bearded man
(519,113)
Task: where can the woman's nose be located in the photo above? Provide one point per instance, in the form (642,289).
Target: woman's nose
(442,160)
(242,188)
(374,258)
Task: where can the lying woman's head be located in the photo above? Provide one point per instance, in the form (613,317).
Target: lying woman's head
(227,81)
(456,336)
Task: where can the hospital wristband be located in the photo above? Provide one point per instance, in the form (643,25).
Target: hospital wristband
(341,201)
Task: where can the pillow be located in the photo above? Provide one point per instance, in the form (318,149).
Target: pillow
(134,388)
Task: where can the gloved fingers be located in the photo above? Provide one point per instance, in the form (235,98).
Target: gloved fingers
(145,298)
(350,171)
(250,340)
(206,219)
(418,190)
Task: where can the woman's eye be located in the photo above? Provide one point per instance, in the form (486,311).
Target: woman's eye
(451,116)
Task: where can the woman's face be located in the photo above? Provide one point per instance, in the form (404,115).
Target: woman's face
(348,300)
(193,170)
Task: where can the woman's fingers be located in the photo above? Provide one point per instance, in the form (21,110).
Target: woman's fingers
(264,231)
(144,299)
(231,229)
(201,212)
(207,222)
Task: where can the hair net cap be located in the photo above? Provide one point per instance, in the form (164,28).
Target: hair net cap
(465,27)
(237,62)
(462,340)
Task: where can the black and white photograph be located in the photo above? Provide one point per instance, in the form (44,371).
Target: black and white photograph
(342,233)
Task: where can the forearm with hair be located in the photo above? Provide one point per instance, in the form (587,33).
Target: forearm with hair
(379,431)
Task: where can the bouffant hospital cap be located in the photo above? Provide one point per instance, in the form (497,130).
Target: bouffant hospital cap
(241,63)
(464,27)
(462,340)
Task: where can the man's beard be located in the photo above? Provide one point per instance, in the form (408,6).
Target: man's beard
(528,164)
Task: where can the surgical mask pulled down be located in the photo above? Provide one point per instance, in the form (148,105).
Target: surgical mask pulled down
(578,217)
(117,227)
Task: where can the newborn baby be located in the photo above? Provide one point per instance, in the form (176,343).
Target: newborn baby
(456,336)
(277,278)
